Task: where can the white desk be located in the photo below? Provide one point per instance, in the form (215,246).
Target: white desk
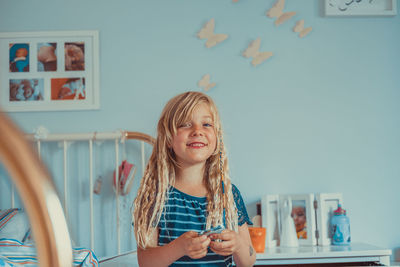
(355,252)
(301,255)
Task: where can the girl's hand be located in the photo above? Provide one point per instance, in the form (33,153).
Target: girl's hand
(228,245)
(193,245)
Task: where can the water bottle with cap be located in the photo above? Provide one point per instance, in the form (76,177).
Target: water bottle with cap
(340,227)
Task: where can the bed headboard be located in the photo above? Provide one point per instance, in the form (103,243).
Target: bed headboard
(97,220)
(75,201)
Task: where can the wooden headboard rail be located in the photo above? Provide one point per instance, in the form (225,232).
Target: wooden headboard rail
(38,195)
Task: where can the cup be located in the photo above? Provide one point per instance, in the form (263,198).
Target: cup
(257,235)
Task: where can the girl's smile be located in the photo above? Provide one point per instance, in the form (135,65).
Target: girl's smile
(196,145)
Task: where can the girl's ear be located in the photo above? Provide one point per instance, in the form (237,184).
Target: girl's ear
(169,144)
(169,147)
(217,148)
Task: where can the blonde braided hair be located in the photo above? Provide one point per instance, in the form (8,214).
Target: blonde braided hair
(161,168)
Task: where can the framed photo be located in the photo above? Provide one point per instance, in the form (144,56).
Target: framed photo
(270,219)
(326,204)
(303,215)
(360,7)
(42,71)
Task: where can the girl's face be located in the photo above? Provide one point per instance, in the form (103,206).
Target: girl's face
(195,140)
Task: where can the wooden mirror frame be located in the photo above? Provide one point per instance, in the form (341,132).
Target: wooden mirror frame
(38,194)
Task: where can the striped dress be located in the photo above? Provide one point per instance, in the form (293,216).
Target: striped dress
(184,213)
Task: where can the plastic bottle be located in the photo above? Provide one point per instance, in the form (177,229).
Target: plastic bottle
(340,227)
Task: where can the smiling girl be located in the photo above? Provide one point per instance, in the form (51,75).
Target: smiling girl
(186,188)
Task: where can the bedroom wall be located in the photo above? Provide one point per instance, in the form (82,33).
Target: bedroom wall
(321,115)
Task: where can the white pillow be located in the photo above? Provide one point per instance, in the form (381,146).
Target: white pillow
(14,224)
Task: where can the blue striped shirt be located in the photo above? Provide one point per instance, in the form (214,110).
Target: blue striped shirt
(185,213)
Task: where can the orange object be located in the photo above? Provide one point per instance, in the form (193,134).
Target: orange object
(257,235)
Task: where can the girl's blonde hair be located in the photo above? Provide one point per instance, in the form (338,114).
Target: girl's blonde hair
(161,168)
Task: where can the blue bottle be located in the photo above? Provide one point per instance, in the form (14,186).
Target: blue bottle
(340,227)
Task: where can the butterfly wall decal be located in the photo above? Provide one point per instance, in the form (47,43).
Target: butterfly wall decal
(276,11)
(253,51)
(205,83)
(207,32)
(299,27)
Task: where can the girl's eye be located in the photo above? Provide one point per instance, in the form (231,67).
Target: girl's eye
(207,125)
(185,125)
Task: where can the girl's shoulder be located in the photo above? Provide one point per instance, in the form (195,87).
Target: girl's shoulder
(236,194)
(235,189)
(243,216)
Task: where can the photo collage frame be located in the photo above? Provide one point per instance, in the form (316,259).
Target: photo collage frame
(41,71)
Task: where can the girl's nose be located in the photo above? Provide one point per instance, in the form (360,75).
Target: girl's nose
(197,131)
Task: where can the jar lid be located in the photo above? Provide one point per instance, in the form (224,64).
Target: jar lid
(339,211)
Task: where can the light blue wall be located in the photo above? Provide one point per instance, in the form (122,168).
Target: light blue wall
(322,115)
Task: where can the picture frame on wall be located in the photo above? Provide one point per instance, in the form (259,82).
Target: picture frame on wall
(326,204)
(360,8)
(45,71)
(303,215)
(270,219)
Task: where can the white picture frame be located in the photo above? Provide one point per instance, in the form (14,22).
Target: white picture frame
(326,204)
(360,8)
(43,71)
(305,204)
(270,219)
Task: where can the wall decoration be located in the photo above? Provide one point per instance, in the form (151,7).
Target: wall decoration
(277,12)
(299,27)
(41,71)
(207,32)
(253,51)
(360,7)
(205,83)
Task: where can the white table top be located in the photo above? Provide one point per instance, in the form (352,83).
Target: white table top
(279,255)
(352,250)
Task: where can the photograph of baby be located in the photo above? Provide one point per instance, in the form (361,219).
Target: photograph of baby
(300,218)
(26,90)
(68,89)
(19,57)
(47,56)
(74,56)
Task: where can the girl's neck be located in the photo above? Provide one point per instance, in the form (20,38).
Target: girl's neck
(190,180)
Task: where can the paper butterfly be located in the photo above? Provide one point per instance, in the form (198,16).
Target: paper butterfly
(299,27)
(277,12)
(207,32)
(205,83)
(253,51)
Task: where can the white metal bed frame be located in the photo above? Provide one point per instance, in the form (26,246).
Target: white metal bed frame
(118,137)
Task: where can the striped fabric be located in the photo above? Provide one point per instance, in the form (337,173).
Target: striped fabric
(14,224)
(15,253)
(184,213)
(6,216)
